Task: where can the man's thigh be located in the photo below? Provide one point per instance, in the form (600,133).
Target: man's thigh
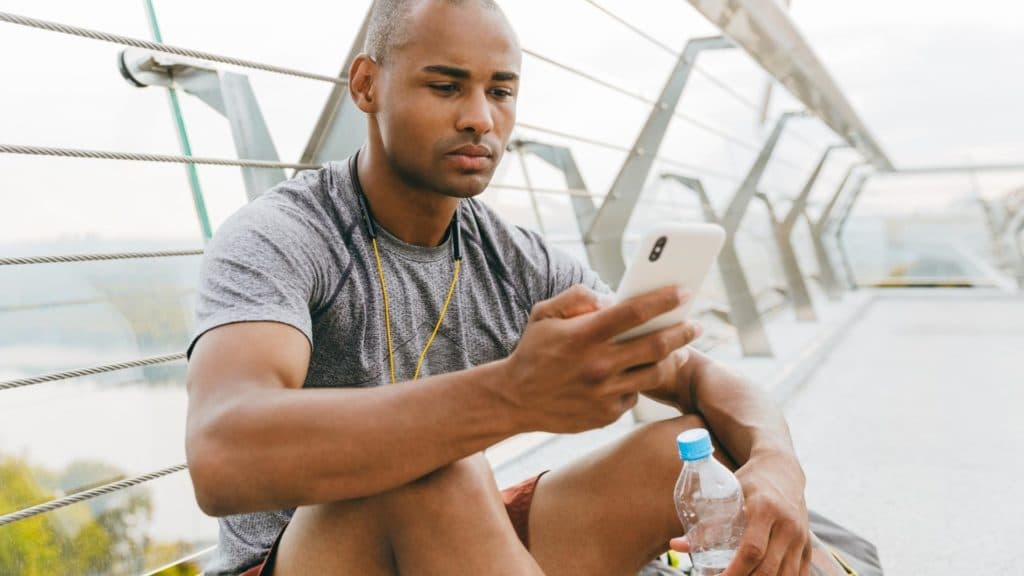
(453,521)
(611,511)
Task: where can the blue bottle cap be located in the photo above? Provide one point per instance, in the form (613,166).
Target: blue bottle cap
(694,444)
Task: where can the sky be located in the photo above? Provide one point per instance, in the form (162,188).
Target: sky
(932,80)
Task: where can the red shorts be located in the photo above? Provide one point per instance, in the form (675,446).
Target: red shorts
(517,501)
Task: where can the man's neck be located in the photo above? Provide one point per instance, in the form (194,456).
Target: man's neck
(414,215)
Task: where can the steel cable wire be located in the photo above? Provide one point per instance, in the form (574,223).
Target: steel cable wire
(68,258)
(141,157)
(158,47)
(68,374)
(88,495)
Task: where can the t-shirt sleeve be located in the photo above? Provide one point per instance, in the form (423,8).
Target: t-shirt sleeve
(566,271)
(259,267)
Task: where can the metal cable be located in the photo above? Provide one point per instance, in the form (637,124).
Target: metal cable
(17,261)
(182,560)
(157,47)
(133,156)
(609,145)
(645,100)
(88,495)
(54,377)
(727,89)
(576,137)
(573,70)
(699,169)
(635,29)
(552,191)
(676,53)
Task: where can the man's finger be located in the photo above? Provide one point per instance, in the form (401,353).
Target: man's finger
(778,545)
(608,323)
(753,546)
(681,545)
(806,555)
(644,378)
(654,347)
(571,303)
(791,562)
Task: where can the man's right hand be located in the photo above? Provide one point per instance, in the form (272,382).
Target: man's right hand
(567,375)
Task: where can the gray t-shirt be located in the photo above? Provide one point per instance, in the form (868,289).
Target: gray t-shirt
(300,255)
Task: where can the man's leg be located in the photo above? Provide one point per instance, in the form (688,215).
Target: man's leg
(449,522)
(611,512)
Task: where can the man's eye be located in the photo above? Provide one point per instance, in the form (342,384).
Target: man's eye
(444,88)
(503,93)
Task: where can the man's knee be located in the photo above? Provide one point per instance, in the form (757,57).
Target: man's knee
(467,480)
(667,430)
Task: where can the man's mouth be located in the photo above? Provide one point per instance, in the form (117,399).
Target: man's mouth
(471,157)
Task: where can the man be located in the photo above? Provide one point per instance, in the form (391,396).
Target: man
(320,294)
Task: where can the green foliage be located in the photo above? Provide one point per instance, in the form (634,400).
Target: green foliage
(105,535)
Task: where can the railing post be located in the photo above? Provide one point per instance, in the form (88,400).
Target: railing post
(798,208)
(858,187)
(342,127)
(603,240)
(743,312)
(228,93)
(818,229)
(748,188)
(561,158)
(802,304)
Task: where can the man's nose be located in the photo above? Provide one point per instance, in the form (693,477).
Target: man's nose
(475,115)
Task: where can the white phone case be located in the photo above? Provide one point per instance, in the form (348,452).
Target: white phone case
(670,255)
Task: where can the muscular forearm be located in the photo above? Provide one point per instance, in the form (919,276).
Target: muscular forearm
(745,420)
(274,448)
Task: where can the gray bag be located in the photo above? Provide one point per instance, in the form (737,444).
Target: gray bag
(856,552)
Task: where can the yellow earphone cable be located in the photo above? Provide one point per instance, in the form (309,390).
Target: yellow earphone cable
(387,314)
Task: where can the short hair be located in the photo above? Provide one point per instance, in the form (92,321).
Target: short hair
(387,26)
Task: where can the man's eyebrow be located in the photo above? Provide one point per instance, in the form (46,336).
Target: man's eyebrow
(505,77)
(463,74)
(452,71)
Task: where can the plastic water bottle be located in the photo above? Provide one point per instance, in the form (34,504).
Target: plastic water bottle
(709,501)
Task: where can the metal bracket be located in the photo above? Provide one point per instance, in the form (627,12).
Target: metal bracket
(743,312)
(802,303)
(603,239)
(741,200)
(818,229)
(788,224)
(342,127)
(228,93)
(561,158)
(857,188)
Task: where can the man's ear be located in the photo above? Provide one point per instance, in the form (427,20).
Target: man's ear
(362,83)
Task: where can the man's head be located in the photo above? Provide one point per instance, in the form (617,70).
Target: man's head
(439,81)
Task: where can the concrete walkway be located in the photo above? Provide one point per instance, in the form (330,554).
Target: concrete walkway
(912,432)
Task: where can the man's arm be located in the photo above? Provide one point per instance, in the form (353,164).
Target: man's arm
(753,432)
(257,441)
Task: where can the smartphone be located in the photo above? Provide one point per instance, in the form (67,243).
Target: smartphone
(670,255)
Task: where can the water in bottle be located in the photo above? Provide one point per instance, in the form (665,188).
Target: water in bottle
(709,501)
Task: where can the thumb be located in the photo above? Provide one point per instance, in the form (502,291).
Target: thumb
(573,302)
(681,545)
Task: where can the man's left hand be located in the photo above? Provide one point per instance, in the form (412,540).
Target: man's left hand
(776,540)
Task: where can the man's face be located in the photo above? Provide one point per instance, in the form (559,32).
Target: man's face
(447,97)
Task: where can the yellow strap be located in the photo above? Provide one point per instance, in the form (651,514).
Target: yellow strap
(387,315)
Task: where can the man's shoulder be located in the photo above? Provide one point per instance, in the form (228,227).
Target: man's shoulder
(311,204)
(493,231)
